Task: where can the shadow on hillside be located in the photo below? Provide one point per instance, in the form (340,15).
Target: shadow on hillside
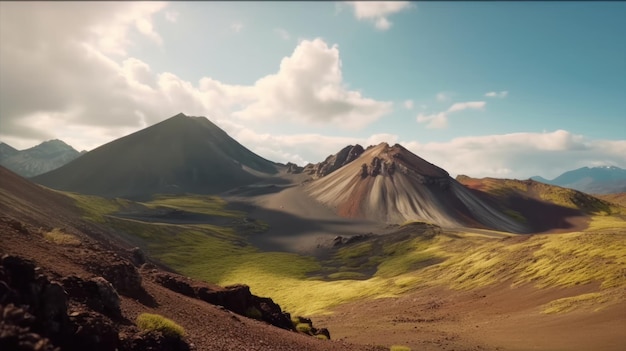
(540,216)
(291,233)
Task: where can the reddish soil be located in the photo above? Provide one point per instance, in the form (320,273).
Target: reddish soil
(208,327)
(494,318)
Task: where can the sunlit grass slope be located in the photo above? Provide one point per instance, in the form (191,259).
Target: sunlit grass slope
(378,267)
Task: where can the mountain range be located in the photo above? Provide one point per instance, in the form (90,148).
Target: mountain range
(191,155)
(593,180)
(39,159)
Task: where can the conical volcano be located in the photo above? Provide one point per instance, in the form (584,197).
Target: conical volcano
(179,155)
(391,184)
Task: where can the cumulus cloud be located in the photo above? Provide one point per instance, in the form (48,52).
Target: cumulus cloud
(378,11)
(309,87)
(84,78)
(440,120)
(408,104)
(521,155)
(516,155)
(497,94)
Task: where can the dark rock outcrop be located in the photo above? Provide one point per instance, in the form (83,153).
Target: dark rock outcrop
(334,162)
(236,298)
(36,313)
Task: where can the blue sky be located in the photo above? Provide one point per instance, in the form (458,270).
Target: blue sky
(542,82)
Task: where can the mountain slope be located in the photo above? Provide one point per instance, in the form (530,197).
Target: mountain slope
(394,185)
(543,207)
(39,159)
(181,154)
(594,180)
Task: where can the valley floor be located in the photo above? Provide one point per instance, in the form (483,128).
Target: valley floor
(492,318)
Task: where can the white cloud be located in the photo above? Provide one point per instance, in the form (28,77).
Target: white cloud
(85,83)
(236,26)
(440,120)
(435,121)
(282,33)
(172,16)
(473,105)
(443,97)
(521,155)
(516,155)
(309,88)
(408,104)
(501,94)
(378,11)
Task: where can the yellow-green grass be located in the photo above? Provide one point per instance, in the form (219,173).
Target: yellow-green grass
(557,260)
(203,204)
(95,207)
(460,260)
(155,322)
(568,304)
(399,348)
(59,237)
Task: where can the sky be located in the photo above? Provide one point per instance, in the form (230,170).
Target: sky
(486,89)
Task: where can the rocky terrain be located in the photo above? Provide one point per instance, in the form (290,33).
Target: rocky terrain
(70,284)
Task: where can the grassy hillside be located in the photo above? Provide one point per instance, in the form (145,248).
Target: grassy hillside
(418,255)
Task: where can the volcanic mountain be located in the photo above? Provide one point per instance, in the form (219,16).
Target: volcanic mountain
(38,159)
(391,184)
(179,155)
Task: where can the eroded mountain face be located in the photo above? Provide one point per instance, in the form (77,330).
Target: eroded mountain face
(393,185)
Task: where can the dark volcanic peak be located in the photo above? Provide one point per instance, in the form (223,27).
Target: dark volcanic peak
(334,162)
(178,155)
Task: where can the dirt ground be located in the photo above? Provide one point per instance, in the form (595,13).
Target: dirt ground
(494,318)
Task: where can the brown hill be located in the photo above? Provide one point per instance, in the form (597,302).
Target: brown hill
(541,206)
(179,155)
(618,198)
(393,185)
(71,283)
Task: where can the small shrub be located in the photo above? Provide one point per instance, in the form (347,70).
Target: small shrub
(303,328)
(155,322)
(399,348)
(58,237)
(321,337)
(254,313)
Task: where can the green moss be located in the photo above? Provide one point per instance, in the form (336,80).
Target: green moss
(303,328)
(155,322)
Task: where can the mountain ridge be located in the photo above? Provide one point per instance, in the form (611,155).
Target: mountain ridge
(39,159)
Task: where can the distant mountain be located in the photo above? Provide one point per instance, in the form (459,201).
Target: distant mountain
(179,155)
(39,159)
(594,180)
(391,184)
